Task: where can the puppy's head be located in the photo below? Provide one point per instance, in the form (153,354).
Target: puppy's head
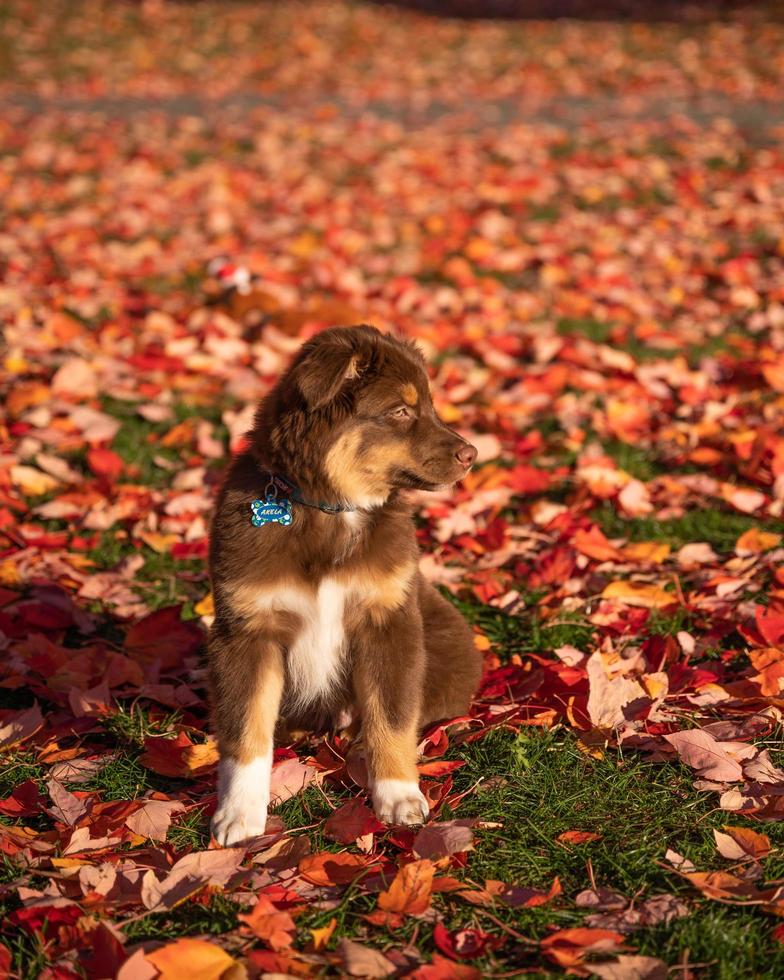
(366,403)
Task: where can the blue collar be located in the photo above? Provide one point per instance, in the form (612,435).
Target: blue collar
(285,488)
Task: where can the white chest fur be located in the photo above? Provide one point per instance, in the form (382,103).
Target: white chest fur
(316,656)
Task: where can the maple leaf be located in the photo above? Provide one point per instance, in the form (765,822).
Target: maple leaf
(438,840)
(739,843)
(179,756)
(361,961)
(193,959)
(16,727)
(153,818)
(702,752)
(350,821)
(639,594)
(333,869)
(273,926)
(409,893)
(189,875)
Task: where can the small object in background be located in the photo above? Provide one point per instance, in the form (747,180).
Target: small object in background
(235,289)
(230,276)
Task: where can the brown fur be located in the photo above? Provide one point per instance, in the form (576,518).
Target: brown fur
(350,422)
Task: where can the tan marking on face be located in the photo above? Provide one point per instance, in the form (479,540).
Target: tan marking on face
(410,394)
(365,481)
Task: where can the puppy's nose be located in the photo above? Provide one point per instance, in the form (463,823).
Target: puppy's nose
(466,454)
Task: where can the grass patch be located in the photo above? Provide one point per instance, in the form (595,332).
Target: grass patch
(719,528)
(538,785)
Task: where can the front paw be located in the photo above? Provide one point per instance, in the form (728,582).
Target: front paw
(398,801)
(237,821)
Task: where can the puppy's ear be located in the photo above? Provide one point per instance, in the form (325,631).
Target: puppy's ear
(324,372)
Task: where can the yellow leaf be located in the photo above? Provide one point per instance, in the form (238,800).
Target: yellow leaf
(9,575)
(162,543)
(205,607)
(656,684)
(67,862)
(479,248)
(32,481)
(322,936)
(304,245)
(638,594)
(594,751)
(754,542)
(450,413)
(653,551)
(200,755)
(194,959)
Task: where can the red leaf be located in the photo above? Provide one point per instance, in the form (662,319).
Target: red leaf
(25,801)
(179,757)
(465,944)
(770,623)
(443,969)
(164,637)
(105,462)
(353,819)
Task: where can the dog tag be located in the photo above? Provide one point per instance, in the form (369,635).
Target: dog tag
(270,511)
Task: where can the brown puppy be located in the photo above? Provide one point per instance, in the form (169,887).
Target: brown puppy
(320,607)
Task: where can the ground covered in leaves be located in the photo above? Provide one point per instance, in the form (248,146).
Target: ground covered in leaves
(583,226)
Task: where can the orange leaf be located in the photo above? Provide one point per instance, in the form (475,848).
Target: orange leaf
(333,869)
(755,541)
(740,842)
(568,947)
(594,544)
(578,837)
(410,892)
(267,922)
(194,959)
(638,594)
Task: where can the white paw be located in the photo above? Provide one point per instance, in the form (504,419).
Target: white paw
(235,823)
(243,798)
(398,801)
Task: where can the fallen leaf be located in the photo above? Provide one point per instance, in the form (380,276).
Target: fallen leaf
(273,926)
(639,594)
(437,840)
(153,819)
(409,893)
(740,843)
(194,959)
(361,961)
(702,752)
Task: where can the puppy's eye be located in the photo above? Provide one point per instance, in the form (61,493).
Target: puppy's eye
(400,414)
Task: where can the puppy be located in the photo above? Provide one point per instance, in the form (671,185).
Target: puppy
(320,610)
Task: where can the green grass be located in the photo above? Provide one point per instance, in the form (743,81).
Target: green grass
(719,528)
(542,785)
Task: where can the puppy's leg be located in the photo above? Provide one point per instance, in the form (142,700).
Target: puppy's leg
(246,670)
(454,665)
(388,678)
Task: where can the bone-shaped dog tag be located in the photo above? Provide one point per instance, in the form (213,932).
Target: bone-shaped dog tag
(270,511)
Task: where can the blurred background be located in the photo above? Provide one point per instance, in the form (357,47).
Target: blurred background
(577,209)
